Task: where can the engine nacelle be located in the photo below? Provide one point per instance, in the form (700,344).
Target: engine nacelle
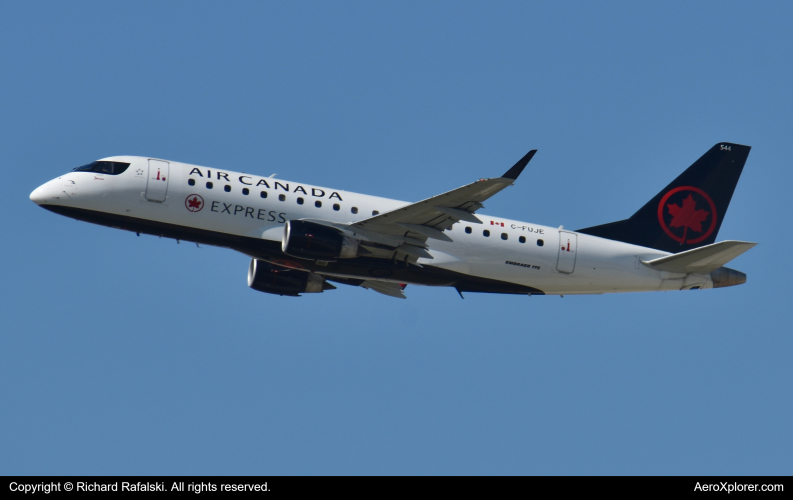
(268,278)
(309,240)
(724,276)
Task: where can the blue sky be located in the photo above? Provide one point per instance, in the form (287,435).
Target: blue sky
(126,355)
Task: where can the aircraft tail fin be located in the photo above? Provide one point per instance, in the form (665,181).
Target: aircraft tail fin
(687,213)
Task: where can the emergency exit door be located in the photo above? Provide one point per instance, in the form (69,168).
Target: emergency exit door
(568,247)
(157,182)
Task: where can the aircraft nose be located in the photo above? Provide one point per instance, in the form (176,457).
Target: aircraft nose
(44,193)
(38,195)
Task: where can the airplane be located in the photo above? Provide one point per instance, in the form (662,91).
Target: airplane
(303,238)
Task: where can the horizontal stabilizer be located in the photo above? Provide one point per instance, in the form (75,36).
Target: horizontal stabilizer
(702,260)
(385,287)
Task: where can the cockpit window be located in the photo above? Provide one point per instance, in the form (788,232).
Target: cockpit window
(103,167)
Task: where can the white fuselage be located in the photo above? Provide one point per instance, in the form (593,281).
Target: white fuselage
(553,260)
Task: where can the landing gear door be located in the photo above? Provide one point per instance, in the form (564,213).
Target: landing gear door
(568,247)
(157,182)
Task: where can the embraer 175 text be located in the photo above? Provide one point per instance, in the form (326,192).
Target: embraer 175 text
(302,237)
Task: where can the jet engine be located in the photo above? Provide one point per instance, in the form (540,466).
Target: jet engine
(268,278)
(309,240)
(724,276)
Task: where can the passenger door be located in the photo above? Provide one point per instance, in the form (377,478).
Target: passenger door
(157,182)
(568,246)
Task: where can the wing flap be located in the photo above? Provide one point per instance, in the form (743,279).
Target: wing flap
(385,287)
(429,232)
(460,214)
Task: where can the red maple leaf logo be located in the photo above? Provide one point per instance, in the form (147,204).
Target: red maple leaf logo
(194,203)
(687,216)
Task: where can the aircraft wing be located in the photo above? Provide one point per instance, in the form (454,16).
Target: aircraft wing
(402,234)
(429,218)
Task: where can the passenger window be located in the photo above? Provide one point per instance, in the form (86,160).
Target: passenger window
(191,182)
(468,229)
(486,233)
(282,197)
(300,201)
(522,239)
(318,204)
(336,207)
(504,236)
(354,210)
(209,185)
(263,194)
(246,191)
(540,243)
(227,188)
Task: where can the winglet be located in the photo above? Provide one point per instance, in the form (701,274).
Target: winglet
(515,171)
